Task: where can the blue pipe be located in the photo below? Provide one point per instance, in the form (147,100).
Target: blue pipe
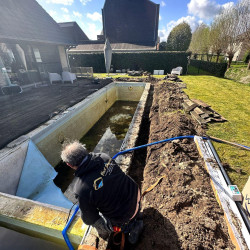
(154,143)
(64,232)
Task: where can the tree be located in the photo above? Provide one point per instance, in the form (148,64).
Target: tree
(195,43)
(200,42)
(179,38)
(228,22)
(228,32)
(216,39)
(163,46)
(243,12)
(204,31)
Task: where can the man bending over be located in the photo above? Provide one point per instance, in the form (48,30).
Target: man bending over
(107,196)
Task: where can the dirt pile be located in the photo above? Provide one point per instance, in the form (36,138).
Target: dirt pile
(182,211)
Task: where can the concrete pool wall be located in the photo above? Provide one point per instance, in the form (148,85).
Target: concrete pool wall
(31,216)
(78,120)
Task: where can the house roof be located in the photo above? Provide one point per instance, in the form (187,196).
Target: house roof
(26,20)
(73,30)
(116,47)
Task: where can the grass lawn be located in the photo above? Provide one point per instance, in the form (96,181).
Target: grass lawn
(231,100)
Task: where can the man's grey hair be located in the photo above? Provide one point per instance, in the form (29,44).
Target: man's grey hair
(73,153)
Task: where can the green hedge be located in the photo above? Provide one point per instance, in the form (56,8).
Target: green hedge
(216,69)
(147,61)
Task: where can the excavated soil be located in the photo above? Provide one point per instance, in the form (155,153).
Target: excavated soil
(181,212)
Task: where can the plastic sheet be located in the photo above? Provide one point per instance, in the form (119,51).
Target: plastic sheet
(36,181)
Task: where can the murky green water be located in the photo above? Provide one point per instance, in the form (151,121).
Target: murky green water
(105,136)
(108,133)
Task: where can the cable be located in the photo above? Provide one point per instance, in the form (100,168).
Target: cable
(70,212)
(227,142)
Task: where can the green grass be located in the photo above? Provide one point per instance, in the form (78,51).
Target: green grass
(231,100)
(239,63)
(243,66)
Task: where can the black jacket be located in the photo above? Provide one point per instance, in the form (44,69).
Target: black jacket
(109,191)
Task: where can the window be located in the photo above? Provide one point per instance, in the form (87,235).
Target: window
(37,55)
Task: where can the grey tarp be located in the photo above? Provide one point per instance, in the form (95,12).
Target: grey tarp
(107,55)
(36,181)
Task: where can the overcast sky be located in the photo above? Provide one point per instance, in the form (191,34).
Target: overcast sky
(87,13)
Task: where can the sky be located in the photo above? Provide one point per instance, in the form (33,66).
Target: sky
(87,13)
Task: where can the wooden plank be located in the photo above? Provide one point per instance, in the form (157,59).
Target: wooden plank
(193,106)
(189,102)
(198,118)
(204,116)
(198,111)
(209,119)
(182,85)
(217,119)
(209,113)
(201,103)
(223,118)
(216,115)
(201,111)
(188,105)
(184,96)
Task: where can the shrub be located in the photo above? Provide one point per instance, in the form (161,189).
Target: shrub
(147,61)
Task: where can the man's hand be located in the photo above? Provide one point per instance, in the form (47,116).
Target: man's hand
(103,228)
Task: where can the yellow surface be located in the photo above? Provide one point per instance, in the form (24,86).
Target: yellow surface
(42,219)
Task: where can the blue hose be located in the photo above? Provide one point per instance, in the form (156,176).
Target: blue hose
(64,232)
(153,143)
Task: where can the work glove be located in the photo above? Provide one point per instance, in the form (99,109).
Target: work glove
(103,227)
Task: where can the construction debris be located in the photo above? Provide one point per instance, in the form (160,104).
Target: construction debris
(201,111)
(135,73)
(127,79)
(136,79)
(172,77)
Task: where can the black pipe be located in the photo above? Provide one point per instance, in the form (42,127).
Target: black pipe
(238,203)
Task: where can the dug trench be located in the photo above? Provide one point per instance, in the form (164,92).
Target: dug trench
(181,212)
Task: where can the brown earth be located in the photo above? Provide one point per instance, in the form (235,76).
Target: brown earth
(181,212)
